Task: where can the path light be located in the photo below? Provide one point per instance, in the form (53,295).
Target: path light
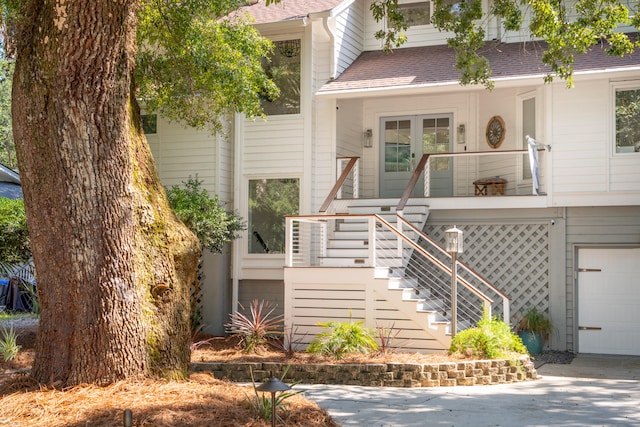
(454,240)
(273,385)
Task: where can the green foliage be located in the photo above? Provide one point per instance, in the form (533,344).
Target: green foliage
(343,338)
(491,339)
(204,216)
(9,347)
(7,146)
(535,321)
(14,236)
(569,28)
(198,61)
(257,327)
(262,404)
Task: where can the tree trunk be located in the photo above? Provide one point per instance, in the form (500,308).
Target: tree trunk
(113,263)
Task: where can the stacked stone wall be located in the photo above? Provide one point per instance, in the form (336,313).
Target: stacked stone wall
(462,373)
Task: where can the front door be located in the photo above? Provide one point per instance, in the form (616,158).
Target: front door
(403,142)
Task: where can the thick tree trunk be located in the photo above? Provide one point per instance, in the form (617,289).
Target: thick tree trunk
(113,263)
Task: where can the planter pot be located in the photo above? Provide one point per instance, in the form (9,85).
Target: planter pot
(532,340)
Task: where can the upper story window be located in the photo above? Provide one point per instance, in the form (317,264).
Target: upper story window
(627,120)
(284,70)
(415,13)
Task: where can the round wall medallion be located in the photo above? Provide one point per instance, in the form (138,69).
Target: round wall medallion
(495,131)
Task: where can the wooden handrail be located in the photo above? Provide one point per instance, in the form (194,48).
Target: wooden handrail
(412,182)
(338,184)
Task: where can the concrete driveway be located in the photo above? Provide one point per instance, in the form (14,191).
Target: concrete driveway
(591,391)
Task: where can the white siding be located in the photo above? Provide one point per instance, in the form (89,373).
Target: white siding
(181,152)
(273,147)
(582,131)
(349,30)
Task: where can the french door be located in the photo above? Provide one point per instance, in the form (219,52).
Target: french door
(403,142)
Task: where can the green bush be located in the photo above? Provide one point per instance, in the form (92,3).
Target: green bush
(205,216)
(492,338)
(343,338)
(14,236)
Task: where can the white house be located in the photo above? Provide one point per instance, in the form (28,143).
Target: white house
(405,141)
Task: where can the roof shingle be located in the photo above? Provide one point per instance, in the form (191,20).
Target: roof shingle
(431,65)
(288,9)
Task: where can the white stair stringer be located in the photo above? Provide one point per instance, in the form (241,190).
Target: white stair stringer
(419,330)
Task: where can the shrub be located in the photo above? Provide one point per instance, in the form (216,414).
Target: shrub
(14,236)
(8,344)
(343,338)
(257,327)
(205,216)
(492,338)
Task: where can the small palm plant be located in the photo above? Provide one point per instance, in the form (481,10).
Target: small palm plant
(256,328)
(344,338)
(9,347)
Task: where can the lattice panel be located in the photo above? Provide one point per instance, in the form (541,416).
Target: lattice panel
(514,257)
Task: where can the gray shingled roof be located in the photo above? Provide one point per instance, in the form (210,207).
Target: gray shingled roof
(434,65)
(287,10)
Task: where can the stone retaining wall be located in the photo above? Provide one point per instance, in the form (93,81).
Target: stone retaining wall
(478,372)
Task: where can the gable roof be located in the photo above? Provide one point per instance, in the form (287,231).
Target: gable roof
(288,10)
(431,66)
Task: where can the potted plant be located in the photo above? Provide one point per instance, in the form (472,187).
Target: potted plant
(534,329)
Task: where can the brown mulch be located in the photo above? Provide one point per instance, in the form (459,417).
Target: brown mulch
(199,401)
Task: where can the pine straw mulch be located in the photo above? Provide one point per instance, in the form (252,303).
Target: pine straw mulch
(199,401)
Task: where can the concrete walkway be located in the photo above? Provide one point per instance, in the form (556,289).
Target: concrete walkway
(591,391)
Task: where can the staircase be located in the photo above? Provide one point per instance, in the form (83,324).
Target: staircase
(364,262)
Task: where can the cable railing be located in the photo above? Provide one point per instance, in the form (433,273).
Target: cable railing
(345,240)
(471,168)
(502,305)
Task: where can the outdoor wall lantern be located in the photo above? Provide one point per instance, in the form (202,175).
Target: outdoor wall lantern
(454,245)
(462,130)
(273,385)
(368,138)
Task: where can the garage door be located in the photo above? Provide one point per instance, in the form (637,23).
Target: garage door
(609,301)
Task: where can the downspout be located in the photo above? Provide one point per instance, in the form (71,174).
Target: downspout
(332,41)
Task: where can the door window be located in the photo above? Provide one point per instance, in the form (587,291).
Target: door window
(397,146)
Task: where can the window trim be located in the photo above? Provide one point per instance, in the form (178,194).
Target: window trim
(615,87)
(520,100)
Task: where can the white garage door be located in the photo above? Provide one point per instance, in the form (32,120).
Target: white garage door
(609,301)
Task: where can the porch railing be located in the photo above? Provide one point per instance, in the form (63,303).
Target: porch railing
(470,166)
(347,182)
(394,254)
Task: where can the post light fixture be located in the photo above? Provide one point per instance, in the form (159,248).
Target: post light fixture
(368,138)
(455,246)
(273,385)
